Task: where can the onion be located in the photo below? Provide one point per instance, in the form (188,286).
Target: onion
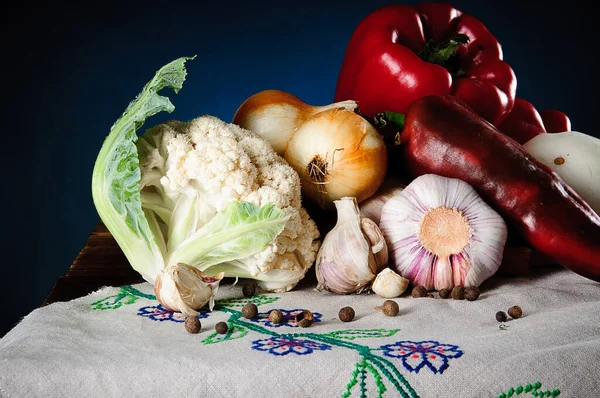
(337,154)
(275,115)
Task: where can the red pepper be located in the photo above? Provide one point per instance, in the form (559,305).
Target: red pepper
(442,135)
(525,122)
(400,53)
(555,121)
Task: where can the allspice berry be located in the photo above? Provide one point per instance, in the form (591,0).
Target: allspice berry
(472,293)
(444,293)
(249,311)
(346,314)
(305,319)
(249,289)
(276,316)
(515,312)
(192,324)
(419,291)
(221,327)
(390,308)
(501,316)
(458,292)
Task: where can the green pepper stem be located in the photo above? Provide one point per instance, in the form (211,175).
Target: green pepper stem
(390,125)
(442,53)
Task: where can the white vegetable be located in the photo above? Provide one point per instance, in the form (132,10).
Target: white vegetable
(442,234)
(575,157)
(204,193)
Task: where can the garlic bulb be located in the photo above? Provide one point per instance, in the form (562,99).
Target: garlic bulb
(275,115)
(184,288)
(337,154)
(352,253)
(371,208)
(441,233)
(388,284)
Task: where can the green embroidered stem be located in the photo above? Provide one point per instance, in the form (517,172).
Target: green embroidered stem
(532,389)
(378,382)
(353,379)
(363,385)
(133,291)
(394,377)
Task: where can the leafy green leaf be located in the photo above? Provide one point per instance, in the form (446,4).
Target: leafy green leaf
(116,175)
(239,230)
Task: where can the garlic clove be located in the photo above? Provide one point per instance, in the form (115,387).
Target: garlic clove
(377,242)
(372,206)
(442,234)
(388,284)
(183,288)
(345,262)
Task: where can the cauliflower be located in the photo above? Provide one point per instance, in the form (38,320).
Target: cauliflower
(202,193)
(205,164)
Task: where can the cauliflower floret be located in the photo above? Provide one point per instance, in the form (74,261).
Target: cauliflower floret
(215,163)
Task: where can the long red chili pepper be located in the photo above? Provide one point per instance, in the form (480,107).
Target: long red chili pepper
(442,135)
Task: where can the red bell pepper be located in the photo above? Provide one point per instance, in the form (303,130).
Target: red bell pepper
(400,53)
(442,135)
(525,122)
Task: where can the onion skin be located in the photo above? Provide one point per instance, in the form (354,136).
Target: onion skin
(443,136)
(353,149)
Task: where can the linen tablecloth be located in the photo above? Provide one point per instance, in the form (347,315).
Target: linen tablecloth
(120,342)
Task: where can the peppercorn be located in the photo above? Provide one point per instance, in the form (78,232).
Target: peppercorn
(249,311)
(192,324)
(444,293)
(515,312)
(458,292)
(419,291)
(249,289)
(221,327)
(390,308)
(472,293)
(276,316)
(346,314)
(305,318)
(501,316)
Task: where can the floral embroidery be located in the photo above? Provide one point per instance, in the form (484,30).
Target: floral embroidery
(286,345)
(417,355)
(289,318)
(160,313)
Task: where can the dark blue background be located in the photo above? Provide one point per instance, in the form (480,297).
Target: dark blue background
(70,70)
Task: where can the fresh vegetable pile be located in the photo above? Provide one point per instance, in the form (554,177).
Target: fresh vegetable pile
(419,173)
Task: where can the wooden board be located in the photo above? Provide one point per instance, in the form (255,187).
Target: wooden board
(99,263)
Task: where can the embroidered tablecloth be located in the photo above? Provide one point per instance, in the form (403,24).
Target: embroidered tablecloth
(119,342)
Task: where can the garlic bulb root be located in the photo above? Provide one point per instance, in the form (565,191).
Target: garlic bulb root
(337,154)
(350,257)
(442,234)
(275,115)
(183,288)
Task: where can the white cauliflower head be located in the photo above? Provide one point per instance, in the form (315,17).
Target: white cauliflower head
(199,167)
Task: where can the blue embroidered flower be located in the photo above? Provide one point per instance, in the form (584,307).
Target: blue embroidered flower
(286,345)
(160,313)
(416,355)
(289,318)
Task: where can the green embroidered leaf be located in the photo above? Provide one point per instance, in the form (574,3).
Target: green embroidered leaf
(353,334)
(240,302)
(234,332)
(113,302)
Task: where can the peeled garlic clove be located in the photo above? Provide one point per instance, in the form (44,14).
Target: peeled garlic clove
(377,242)
(442,234)
(388,284)
(345,262)
(184,288)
